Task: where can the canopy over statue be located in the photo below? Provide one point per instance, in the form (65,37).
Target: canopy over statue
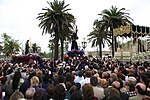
(74,37)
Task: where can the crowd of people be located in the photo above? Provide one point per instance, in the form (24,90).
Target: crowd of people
(78,78)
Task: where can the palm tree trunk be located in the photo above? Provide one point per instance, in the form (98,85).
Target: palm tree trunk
(100,50)
(56,50)
(62,50)
(111,29)
(56,45)
(115,40)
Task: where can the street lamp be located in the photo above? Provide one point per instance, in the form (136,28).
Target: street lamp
(84,44)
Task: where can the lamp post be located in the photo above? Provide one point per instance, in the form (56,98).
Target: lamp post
(84,44)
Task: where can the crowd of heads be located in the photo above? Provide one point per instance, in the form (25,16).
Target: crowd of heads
(80,78)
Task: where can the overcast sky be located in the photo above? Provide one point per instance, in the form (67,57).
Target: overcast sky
(18,17)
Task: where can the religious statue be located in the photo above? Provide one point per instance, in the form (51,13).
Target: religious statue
(74,37)
(27,47)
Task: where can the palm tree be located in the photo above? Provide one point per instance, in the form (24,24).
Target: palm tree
(114,18)
(57,22)
(10,46)
(5,37)
(34,47)
(99,36)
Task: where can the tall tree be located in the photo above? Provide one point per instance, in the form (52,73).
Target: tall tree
(34,47)
(114,18)
(6,37)
(56,21)
(99,36)
(10,45)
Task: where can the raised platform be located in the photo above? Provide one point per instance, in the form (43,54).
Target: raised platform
(25,58)
(134,57)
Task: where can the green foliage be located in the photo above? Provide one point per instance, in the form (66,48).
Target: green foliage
(56,21)
(99,36)
(114,18)
(44,55)
(36,48)
(9,45)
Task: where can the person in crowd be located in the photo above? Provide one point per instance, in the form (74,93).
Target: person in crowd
(88,75)
(144,79)
(98,92)
(50,91)
(40,95)
(140,70)
(69,78)
(76,96)
(35,83)
(116,85)
(132,71)
(78,85)
(111,94)
(45,83)
(122,85)
(26,84)
(105,75)
(39,74)
(68,86)
(88,93)
(7,88)
(148,82)
(69,93)
(23,71)
(140,89)
(59,92)
(103,83)
(16,81)
(79,77)
(130,86)
(113,77)
(16,96)
(58,76)
(30,93)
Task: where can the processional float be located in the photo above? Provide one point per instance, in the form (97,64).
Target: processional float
(139,51)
